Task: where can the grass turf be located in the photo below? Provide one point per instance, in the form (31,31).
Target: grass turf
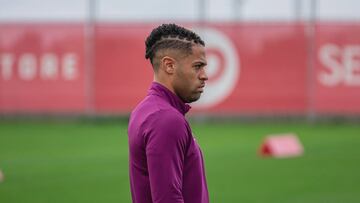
(80,162)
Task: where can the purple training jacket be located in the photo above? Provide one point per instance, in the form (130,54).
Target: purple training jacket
(166,164)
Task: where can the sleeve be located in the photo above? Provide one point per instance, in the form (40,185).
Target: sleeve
(165,151)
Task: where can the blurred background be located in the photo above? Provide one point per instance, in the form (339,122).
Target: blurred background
(71,71)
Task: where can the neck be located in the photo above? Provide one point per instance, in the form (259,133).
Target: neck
(164,82)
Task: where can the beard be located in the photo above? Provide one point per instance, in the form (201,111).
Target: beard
(191,97)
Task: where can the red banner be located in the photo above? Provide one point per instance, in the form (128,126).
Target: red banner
(337,74)
(122,74)
(41,68)
(253,68)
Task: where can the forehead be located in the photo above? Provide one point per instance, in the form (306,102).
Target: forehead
(198,53)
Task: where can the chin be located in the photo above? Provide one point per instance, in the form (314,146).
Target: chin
(193,99)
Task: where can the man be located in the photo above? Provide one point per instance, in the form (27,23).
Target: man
(166,163)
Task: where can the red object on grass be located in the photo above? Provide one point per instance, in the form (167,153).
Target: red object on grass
(281,145)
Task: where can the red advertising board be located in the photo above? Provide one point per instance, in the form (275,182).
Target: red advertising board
(122,75)
(41,68)
(337,69)
(253,68)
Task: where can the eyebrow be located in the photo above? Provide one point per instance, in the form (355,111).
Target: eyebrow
(200,62)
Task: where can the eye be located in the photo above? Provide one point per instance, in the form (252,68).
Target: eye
(198,66)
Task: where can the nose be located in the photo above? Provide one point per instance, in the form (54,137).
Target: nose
(203,75)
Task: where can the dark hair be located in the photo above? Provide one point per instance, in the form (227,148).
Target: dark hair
(170,36)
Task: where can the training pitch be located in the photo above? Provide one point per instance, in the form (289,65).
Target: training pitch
(87,162)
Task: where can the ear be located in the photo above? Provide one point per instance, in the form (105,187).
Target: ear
(168,64)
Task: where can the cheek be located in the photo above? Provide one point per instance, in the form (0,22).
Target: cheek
(190,74)
(190,79)
(184,83)
(183,75)
(186,78)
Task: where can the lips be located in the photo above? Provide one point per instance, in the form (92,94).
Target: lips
(201,88)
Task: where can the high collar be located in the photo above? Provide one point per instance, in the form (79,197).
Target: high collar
(160,90)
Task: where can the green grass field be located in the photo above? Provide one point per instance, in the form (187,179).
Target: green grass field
(84,162)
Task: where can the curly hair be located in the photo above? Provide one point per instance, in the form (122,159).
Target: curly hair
(170,36)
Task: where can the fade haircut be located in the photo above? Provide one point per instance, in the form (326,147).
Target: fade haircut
(170,37)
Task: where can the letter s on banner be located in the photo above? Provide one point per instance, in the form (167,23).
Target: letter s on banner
(327,56)
(342,65)
(223,67)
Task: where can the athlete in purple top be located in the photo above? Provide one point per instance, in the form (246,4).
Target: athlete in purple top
(166,163)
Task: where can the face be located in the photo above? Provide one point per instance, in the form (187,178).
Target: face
(190,76)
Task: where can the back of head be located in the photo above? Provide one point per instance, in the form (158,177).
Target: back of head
(170,37)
